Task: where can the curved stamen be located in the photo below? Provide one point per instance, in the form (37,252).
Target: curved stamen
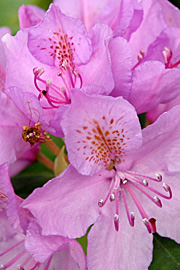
(11,248)
(116,216)
(155,200)
(35,266)
(140,208)
(140,57)
(16,258)
(144,177)
(130,216)
(103,202)
(167,53)
(48,264)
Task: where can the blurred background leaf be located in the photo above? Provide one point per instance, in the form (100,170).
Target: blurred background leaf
(9,11)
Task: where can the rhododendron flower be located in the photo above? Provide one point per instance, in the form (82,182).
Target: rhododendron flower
(60,55)
(23,246)
(127,167)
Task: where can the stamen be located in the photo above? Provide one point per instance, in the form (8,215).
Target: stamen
(16,258)
(35,266)
(131,216)
(140,208)
(156,200)
(157,179)
(48,264)
(116,217)
(145,182)
(140,57)
(103,202)
(116,222)
(167,53)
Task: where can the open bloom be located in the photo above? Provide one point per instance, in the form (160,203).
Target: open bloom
(60,55)
(22,245)
(133,176)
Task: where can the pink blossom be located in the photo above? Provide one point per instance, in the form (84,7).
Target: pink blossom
(22,244)
(127,167)
(60,55)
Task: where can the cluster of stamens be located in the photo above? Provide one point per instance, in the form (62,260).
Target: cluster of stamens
(55,95)
(167,53)
(140,57)
(28,263)
(122,184)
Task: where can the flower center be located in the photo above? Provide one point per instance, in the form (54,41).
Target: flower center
(123,185)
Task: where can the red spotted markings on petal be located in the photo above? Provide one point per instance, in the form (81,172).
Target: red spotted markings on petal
(105,144)
(61,48)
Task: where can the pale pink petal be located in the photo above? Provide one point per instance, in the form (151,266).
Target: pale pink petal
(161,143)
(121,57)
(157,111)
(129,248)
(64,31)
(98,71)
(153,84)
(73,8)
(107,127)
(30,16)
(151,26)
(67,253)
(171,13)
(60,207)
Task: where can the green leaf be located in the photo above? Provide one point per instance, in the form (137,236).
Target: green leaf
(166,254)
(35,175)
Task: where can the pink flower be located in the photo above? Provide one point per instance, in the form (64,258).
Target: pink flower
(22,244)
(127,167)
(60,55)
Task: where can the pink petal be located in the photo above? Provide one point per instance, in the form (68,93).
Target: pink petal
(98,70)
(121,57)
(66,252)
(101,121)
(53,29)
(153,84)
(60,207)
(129,248)
(30,16)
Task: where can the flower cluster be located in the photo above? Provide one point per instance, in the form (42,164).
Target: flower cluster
(83,71)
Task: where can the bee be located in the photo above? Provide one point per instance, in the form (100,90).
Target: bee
(34,134)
